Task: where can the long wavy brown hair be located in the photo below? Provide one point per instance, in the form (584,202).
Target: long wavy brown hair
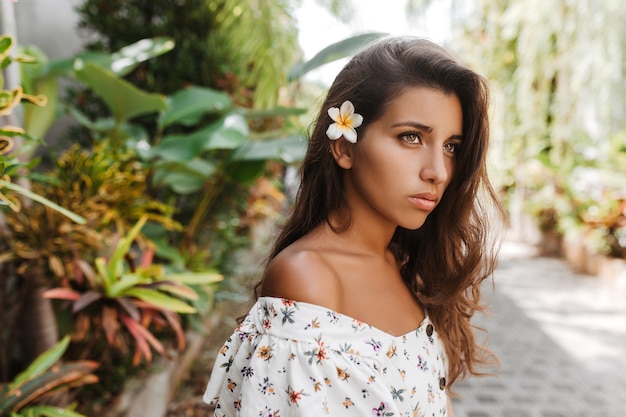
(445,261)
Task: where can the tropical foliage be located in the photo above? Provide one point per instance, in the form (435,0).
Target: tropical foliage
(10,160)
(241,47)
(557,78)
(132,298)
(155,168)
(44,378)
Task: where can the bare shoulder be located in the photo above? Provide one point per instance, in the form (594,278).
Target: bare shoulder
(302,274)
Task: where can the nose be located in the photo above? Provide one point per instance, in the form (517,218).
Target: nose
(434,169)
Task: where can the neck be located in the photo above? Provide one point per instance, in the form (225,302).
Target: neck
(367,237)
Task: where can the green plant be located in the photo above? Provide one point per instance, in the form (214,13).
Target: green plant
(135,297)
(43,378)
(202,147)
(241,47)
(10,163)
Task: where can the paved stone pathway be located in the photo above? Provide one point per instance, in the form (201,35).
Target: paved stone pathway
(561,339)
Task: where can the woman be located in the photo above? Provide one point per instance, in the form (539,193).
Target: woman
(365,302)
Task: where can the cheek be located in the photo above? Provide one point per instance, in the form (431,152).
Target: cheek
(450,168)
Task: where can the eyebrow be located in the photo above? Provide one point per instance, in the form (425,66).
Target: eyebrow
(423,127)
(416,125)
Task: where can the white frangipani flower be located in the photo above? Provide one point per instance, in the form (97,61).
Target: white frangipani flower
(346,121)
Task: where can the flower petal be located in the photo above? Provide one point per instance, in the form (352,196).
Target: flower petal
(349,134)
(334,131)
(357,120)
(347,108)
(334,114)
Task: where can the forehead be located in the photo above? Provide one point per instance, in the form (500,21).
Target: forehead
(427,106)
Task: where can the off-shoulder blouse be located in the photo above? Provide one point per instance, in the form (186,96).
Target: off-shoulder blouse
(291,358)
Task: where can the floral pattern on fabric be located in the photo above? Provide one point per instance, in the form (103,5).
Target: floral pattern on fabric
(291,358)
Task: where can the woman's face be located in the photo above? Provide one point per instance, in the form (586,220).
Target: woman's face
(403,162)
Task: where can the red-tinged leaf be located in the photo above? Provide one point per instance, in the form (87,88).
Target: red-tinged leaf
(131,306)
(179,290)
(78,273)
(110,325)
(50,381)
(154,342)
(87,379)
(174,320)
(137,356)
(41,364)
(146,258)
(142,346)
(62,294)
(86,299)
(147,306)
(146,318)
(83,323)
(159,321)
(89,272)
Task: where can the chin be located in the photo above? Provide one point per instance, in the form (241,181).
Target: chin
(413,225)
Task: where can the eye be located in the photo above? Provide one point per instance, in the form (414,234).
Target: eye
(411,137)
(451,148)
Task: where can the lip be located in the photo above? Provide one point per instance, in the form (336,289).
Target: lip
(424,201)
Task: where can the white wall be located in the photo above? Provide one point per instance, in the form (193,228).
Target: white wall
(49,25)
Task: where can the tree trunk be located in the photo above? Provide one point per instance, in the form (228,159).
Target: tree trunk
(38,326)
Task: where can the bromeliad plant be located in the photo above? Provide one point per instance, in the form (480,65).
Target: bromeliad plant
(129,299)
(44,377)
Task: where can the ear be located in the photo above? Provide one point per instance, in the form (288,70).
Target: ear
(342,152)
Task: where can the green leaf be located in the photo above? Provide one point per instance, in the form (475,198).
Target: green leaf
(101,268)
(120,63)
(275,112)
(6,43)
(184,178)
(179,290)
(9,169)
(246,172)
(195,278)
(50,381)
(38,119)
(65,67)
(125,282)
(166,251)
(126,59)
(36,197)
(115,266)
(188,106)
(288,149)
(158,299)
(338,50)
(229,134)
(181,182)
(226,133)
(50,411)
(123,99)
(181,147)
(41,363)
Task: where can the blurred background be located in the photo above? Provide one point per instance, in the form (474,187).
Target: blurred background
(148,151)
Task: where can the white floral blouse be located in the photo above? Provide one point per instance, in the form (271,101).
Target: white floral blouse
(291,358)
